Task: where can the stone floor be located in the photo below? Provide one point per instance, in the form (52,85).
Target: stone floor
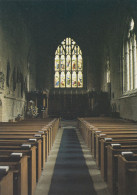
(70,168)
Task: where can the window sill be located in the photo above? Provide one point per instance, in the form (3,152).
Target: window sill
(132,93)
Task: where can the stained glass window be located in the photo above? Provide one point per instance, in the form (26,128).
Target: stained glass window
(80,79)
(68,79)
(129,58)
(62,79)
(56,80)
(68,65)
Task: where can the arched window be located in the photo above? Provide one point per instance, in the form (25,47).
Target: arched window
(68,65)
(129,58)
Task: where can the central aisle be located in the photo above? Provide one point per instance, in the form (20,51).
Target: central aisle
(70,169)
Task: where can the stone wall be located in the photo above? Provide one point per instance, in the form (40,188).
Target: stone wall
(124,105)
(15,55)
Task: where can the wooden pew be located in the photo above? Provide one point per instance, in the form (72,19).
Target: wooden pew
(88,129)
(9,139)
(103,152)
(116,131)
(112,165)
(48,136)
(38,150)
(27,137)
(6,181)
(107,131)
(95,148)
(19,166)
(105,128)
(49,131)
(31,154)
(120,135)
(34,134)
(127,174)
(47,141)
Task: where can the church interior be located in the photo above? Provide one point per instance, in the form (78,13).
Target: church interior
(68,97)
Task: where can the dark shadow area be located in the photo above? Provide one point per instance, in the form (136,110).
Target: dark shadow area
(71,175)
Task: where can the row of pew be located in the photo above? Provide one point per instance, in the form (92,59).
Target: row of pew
(113,143)
(24,149)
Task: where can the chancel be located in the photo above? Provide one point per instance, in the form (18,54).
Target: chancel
(68,97)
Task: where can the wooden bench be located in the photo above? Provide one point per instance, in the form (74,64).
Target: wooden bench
(120,135)
(127,174)
(103,151)
(19,166)
(49,130)
(107,131)
(6,181)
(31,154)
(115,131)
(38,151)
(46,136)
(112,165)
(88,129)
(31,135)
(13,135)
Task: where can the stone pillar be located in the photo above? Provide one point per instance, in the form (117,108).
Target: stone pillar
(130,66)
(134,62)
(126,83)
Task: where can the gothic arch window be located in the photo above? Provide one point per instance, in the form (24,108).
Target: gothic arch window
(129,58)
(68,65)
(107,60)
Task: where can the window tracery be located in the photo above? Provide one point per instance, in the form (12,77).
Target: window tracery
(68,65)
(129,59)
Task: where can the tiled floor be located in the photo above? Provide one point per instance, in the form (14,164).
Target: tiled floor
(70,169)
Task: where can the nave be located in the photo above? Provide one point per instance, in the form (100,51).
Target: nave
(70,167)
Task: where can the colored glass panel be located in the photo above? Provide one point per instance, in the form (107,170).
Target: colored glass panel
(79,62)
(74,79)
(64,46)
(62,63)
(57,63)
(62,79)
(58,50)
(80,79)
(74,62)
(67,41)
(72,47)
(56,80)
(75,50)
(61,51)
(67,50)
(68,62)
(73,42)
(68,79)
(80,52)
(73,53)
(63,42)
